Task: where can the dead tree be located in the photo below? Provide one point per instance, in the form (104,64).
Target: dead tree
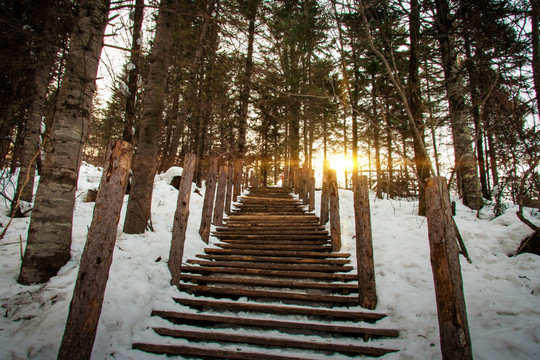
(181,218)
(96,260)
(364,243)
(451,310)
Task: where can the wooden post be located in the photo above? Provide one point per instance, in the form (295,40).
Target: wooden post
(181,218)
(220,196)
(96,259)
(304,180)
(311,190)
(364,244)
(208,202)
(295,179)
(451,310)
(286,177)
(230,186)
(237,179)
(325,195)
(335,228)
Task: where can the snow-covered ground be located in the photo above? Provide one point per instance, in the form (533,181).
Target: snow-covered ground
(502,292)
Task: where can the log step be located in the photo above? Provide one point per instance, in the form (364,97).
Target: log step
(305,254)
(273,342)
(276,237)
(342,288)
(205,353)
(316,248)
(297,260)
(306,327)
(234,306)
(272,266)
(276,273)
(238,292)
(275,241)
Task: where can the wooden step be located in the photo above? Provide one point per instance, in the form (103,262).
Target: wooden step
(278,231)
(293,260)
(267,227)
(277,238)
(205,353)
(319,248)
(305,254)
(327,313)
(238,292)
(272,266)
(297,326)
(273,241)
(343,288)
(273,273)
(273,342)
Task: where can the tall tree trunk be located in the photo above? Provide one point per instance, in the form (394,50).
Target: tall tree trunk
(49,234)
(32,132)
(134,71)
(422,164)
(465,161)
(535,17)
(474,84)
(246,81)
(145,159)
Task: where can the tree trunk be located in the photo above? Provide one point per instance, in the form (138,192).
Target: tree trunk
(364,245)
(252,6)
(453,327)
(49,233)
(134,72)
(465,161)
(535,18)
(181,218)
(96,259)
(32,131)
(208,203)
(415,103)
(145,160)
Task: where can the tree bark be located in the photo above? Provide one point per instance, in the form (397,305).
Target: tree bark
(181,218)
(364,245)
(145,160)
(335,227)
(451,310)
(96,259)
(208,203)
(49,233)
(465,162)
(311,190)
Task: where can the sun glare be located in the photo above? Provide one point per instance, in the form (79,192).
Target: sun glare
(340,163)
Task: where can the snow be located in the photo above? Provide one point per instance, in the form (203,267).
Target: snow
(502,292)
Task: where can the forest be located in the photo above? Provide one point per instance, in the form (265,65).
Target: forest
(399,91)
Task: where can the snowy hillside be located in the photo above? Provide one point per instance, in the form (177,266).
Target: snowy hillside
(502,292)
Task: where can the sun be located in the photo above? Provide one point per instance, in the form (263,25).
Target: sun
(340,163)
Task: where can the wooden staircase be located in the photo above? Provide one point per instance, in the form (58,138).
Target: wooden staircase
(270,289)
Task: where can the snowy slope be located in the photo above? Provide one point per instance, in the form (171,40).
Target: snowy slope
(502,292)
